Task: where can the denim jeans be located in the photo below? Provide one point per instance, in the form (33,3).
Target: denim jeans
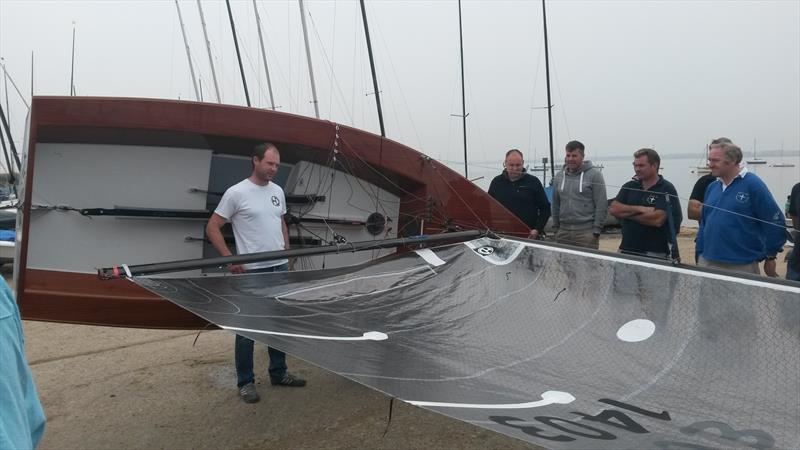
(244,349)
(792,274)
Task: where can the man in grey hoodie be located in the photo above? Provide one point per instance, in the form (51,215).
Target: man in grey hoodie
(579,200)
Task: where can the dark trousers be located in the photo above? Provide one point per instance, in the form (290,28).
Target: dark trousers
(243,349)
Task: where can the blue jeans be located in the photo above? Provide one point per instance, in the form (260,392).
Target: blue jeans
(244,349)
(792,274)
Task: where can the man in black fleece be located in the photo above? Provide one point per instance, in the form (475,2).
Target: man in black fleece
(521,193)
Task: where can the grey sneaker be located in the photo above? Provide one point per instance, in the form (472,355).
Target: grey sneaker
(249,393)
(288,380)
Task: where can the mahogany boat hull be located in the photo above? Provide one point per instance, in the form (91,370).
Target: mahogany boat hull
(55,279)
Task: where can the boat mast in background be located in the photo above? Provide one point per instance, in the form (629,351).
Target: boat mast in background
(188,52)
(702,168)
(549,103)
(8,76)
(7,129)
(11,179)
(463,95)
(782,163)
(5,86)
(756,159)
(263,55)
(308,57)
(372,67)
(72,69)
(208,49)
(238,54)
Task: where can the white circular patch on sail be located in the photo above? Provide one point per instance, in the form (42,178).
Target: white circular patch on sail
(375,336)
(636,330)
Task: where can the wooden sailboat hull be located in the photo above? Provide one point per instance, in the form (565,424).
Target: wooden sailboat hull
(171,156)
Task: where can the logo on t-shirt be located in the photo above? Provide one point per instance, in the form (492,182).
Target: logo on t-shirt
(276,201)
(742,197)
(651,199)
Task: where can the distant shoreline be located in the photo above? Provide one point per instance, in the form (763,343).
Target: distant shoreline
(761,154)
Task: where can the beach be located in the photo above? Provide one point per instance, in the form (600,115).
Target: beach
(124,388)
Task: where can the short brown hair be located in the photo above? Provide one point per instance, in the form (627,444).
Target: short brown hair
(575,145)
(652,156)
(260,149)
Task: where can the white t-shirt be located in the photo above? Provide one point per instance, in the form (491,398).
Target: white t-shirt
(256,213)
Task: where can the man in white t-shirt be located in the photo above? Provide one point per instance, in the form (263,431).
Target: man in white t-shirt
(255,207)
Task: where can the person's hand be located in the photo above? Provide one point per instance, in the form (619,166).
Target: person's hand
(769,268)
(236,268)
(534,234)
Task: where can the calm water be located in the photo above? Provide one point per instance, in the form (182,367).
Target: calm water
(679,171)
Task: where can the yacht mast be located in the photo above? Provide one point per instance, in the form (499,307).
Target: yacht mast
(188,53)
(549,102)
(463,95)
(372,67)
(263,55)
(238,54)
(308,56)
(72,69)
(208,49)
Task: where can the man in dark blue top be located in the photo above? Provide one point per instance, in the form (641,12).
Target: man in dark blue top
(648,209)
(521,193)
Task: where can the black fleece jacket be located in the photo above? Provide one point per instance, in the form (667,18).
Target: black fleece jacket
(524,197)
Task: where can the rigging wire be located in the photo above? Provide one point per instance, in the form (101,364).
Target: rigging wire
(388,55)
(309,62)
(333,152)
(560,98)
(532,105)
(477,120)
(185,42)
(276,65)
(425,201)
(331,75)
(5,72)
(333,55)
(464,202)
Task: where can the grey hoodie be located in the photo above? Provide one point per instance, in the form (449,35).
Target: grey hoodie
(579,199)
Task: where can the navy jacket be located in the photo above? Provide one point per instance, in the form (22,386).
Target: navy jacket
(638,238)
(524,197)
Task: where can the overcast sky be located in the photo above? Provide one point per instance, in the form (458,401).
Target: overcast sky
(625,74)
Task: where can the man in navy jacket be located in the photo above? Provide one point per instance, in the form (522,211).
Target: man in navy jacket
(521,193)
(742,223)
(649,210)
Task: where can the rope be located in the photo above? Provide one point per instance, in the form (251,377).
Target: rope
(483,224)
